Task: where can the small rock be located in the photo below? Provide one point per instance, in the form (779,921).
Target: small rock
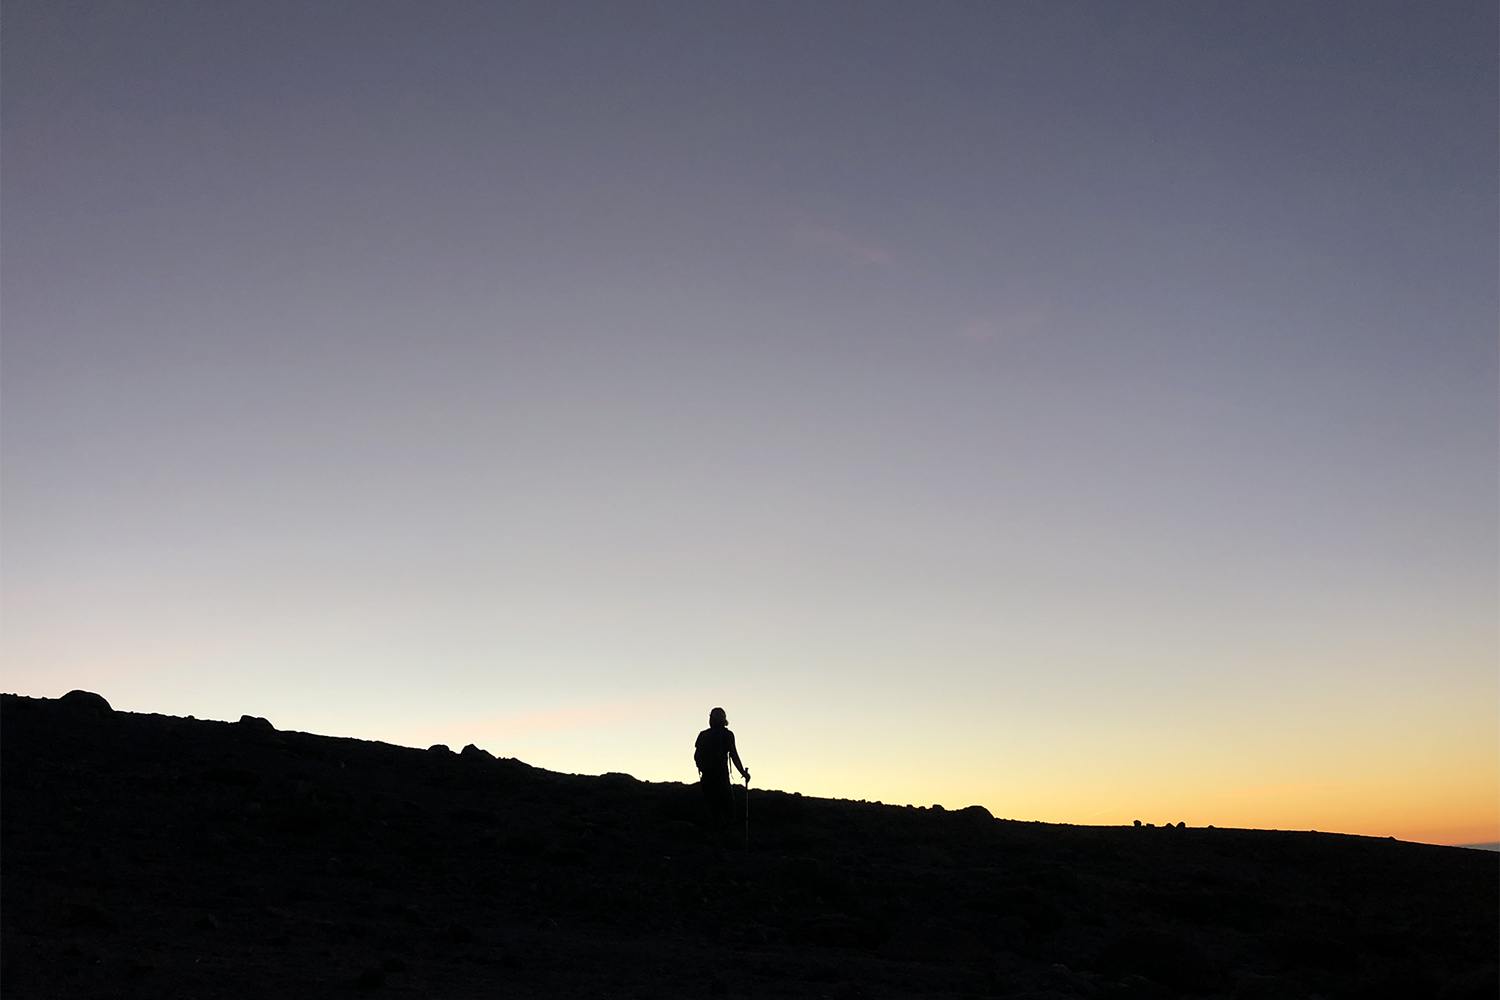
(85,702)
(257,724)
(1249,986)
(474,753)
(1136,987)
(1137,824)
(409,914)
(439,748)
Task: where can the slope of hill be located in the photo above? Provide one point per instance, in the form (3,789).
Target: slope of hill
(146,855)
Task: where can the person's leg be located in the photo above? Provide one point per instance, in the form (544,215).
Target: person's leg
(723,805)
(710,803)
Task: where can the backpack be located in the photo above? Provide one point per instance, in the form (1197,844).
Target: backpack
(708,753)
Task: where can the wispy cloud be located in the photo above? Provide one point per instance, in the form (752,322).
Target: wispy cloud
(979,330)
(838,243)
(1010,324)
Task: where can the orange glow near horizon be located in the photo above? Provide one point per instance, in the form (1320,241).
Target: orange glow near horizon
(1450,794)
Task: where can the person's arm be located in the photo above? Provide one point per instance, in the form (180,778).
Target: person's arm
(734,755)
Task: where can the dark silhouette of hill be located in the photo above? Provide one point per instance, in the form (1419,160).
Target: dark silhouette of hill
(152,856)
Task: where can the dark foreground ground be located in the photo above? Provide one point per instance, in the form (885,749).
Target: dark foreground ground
(151,856)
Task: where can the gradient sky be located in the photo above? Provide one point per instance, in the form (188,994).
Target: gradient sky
(1083,409)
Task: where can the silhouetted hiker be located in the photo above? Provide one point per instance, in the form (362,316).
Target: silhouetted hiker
(712,753)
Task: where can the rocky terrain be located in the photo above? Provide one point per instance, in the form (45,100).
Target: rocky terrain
(151,856)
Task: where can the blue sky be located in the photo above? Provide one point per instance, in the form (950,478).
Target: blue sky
(963,395)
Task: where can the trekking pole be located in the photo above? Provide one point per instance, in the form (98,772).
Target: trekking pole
(747,812)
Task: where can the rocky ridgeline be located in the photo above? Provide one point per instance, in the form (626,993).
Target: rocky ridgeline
(147,855)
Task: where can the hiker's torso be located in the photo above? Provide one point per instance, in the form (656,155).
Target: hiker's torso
(712,754)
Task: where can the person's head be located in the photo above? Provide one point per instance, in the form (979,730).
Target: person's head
(718,718)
